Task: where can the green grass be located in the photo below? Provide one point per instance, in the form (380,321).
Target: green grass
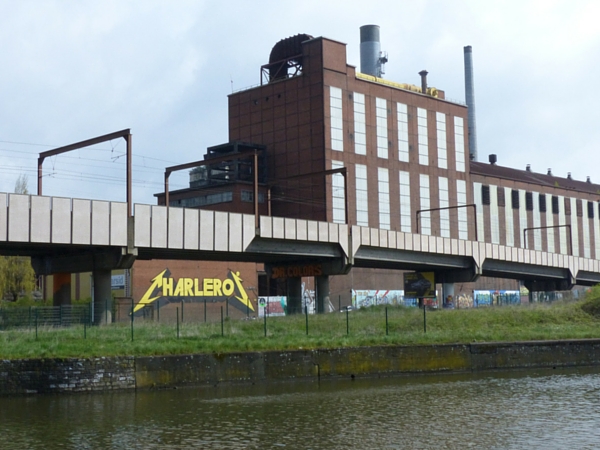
(366,328)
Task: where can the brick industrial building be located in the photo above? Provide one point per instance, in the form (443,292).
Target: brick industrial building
(409,158)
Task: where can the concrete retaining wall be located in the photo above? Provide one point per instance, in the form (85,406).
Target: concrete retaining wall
(102,374)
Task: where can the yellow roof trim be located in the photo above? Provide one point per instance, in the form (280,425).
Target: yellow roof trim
(405,86)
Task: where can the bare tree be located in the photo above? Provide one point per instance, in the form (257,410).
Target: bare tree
(21,185)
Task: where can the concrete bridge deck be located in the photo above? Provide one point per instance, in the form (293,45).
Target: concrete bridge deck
(76,235)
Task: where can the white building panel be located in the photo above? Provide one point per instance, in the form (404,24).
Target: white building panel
(221,231)
(40,223)
(175,228)
(3,216)
(82,227)
(18,218)
(159,227)
(191,229)
(118,224)
(100,223)
(207,230)
(142,227)
(235,232)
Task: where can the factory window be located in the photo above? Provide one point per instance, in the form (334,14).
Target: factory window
(203,200)
(337,194)
(248,196)
(440,120)
(461,200)
(337,128)
(485,195)
(402,133)
(579,207)
(422,135)
(362,198)
(384,198)
(555,209)
(590,208)
(405,216)
(528,201)
(424,196)
(382,127)
(542,202)
(444,203)
(501,198)
(360,136)
(514,198)
(459,144)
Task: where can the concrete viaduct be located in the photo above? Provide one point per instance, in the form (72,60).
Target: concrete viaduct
(64,235)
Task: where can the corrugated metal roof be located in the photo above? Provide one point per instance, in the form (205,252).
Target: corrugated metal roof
(507,173)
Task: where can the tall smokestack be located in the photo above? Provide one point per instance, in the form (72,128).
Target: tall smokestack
(470,99)
(371,58)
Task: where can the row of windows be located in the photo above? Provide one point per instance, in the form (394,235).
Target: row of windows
(383,190)
(203,200)
(383,144)
(542,205)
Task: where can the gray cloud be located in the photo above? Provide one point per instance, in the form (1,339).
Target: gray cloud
(72,70)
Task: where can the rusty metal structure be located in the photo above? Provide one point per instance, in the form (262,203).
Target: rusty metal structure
(285,55)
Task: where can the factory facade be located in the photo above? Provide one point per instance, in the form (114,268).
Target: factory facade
(344,146)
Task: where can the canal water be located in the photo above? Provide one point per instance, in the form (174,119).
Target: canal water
(550,409)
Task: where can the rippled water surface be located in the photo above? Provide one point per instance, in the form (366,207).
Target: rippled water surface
(521,410)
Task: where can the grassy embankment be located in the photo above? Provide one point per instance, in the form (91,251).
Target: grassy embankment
(366,327)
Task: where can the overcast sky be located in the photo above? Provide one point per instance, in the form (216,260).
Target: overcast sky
(75,69)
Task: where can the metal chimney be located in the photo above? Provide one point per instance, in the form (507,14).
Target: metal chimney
(423,74)
(470,100)
(371,58)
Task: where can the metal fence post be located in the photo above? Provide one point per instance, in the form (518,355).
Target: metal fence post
(306,314)
(132,316)
(222,330)
(347,323)
(265,319)
(386,322)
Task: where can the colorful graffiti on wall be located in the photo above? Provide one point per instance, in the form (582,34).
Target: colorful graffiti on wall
(496,298)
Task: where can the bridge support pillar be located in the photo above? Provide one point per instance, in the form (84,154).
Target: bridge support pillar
(322,297)
(61,290)
(447,291)
(102,297)
(294,295)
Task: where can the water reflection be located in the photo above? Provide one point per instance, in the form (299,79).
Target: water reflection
(522,410)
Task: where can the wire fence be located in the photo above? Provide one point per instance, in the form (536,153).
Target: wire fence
(44,316)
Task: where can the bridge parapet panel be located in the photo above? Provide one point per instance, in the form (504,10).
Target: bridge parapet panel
(3,217)
(41,213)
(18,218)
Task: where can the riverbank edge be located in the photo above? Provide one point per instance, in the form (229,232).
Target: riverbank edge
(63,375)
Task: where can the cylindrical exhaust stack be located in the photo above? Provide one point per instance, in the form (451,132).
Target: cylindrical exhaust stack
(423,74)
(470,100)
(370,50)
